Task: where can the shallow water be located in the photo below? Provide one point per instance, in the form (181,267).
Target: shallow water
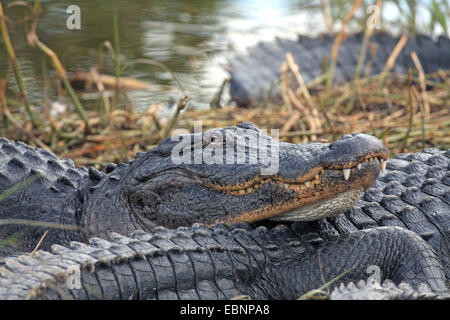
(194,40)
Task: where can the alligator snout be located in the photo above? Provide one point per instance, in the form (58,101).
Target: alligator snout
(352,149)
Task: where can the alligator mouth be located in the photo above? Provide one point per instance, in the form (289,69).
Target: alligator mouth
(304,182)
(323,192)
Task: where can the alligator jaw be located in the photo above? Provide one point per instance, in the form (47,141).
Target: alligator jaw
(332,192)
(302,183)
(324,208)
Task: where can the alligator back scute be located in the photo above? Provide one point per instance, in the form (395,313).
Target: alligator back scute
(19,161)
(360,219)
(198,265)
(34,184)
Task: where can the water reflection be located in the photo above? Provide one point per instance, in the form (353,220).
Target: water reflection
(193,39)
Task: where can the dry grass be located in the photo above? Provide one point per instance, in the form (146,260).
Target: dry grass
(393,112)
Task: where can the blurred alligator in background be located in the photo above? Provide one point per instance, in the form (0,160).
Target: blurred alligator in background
(256,74)
(316,222)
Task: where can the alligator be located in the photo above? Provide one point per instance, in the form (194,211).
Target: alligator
(164,229)
(256,74)
(160,189)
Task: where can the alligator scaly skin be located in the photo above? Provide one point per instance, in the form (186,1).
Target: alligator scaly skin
(413,193)
(155,190)
(219,263)
(45,177)
(411,201)
(253,75)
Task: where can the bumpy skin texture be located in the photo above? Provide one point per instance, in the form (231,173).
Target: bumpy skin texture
(270,262)
(218,263)
(154,190)
(253,75)
(48,193)
(414,194)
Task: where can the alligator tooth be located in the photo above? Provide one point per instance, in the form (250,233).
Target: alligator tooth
(242,191)
(359,166)
(346,174)
(307,184)
(286,185)
(382,165)
(249,189)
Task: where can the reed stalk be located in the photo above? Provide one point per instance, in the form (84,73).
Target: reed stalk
(180,106)
(17,71)
(363,53)
(338,41)
(63,74)
(34,41)
(116,54)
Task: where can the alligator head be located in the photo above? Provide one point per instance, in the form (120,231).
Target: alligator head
(232,175)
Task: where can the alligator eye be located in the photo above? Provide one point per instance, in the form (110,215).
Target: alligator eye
(140,203)
(144,203)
